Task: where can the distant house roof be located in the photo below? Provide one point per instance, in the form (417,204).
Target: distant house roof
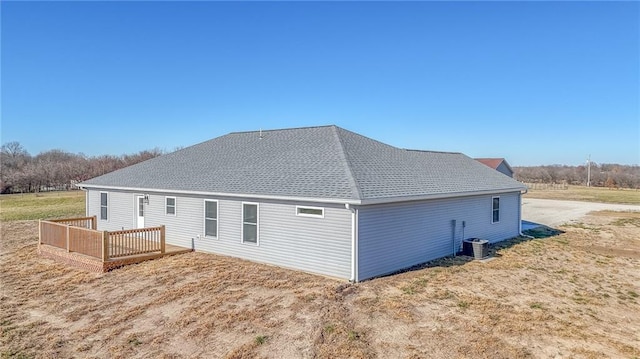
(326,163)
(494,162)
(491,162)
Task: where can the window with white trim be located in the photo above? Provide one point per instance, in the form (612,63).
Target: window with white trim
(104,205)
(250,223)
(495,209)
(304,211)
(170,206)
(211,218)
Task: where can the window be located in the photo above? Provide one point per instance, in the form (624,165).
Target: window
(140,206)
(495,210)
(310,212)
(250,223)
(170,203)
(104,202)
(211,218)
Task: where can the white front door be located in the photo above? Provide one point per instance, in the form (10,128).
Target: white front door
(140,211)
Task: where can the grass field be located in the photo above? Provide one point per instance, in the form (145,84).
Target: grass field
(589,194)
(575,295)
(42,205)
(72,203)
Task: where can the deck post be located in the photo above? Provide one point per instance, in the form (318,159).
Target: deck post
(162,235)
(94,222)
(105,246)
(68,248)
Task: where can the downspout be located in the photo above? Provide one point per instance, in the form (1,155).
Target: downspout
(520,216)
(86,201)
(520,213)
(354,243)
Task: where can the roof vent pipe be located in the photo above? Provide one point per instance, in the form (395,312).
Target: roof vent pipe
(260,133)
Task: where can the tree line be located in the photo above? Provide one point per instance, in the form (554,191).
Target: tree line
(52,170)
(21,172)
(602,175)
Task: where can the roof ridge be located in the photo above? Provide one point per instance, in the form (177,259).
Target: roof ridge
(433,151)
(347,164)
(282,129)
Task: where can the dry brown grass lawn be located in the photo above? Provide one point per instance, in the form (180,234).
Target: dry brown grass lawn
(588,194)
(575,295)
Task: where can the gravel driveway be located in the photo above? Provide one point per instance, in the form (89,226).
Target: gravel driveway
(553,213)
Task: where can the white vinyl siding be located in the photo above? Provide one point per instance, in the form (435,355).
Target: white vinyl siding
(104,206)
(396,236)
(170,206)
(285,239)
(211,218)
(121,209)
(495,209)
(250,223)
(317,212)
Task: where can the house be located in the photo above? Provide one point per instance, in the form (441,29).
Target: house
(318,199)
(498,164)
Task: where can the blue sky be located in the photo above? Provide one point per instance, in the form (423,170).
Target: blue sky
(536,82)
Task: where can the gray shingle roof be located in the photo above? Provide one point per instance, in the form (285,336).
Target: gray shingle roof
(320,163)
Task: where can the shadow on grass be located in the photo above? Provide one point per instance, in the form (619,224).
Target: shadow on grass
(539,232)
(450,261)
(542,232)
(459,259)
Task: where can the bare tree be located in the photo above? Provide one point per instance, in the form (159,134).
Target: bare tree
(57,169)
(602,175)
(12,158)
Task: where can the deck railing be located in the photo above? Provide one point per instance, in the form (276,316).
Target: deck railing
(53,234)
(136,241)
(86,241)
(78,235)
(84,222)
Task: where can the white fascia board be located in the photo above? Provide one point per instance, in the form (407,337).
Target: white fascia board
(232,195)
(439,196)
(316,200)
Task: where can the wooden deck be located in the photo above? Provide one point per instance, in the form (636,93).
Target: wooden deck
(76,241)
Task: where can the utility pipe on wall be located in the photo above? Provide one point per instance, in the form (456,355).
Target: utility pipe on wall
(464,224)
(453,236)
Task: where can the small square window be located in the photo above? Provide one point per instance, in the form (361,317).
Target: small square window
(310,212)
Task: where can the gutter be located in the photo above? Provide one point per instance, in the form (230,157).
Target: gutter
(222,194)
(437,196)
(361,202)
